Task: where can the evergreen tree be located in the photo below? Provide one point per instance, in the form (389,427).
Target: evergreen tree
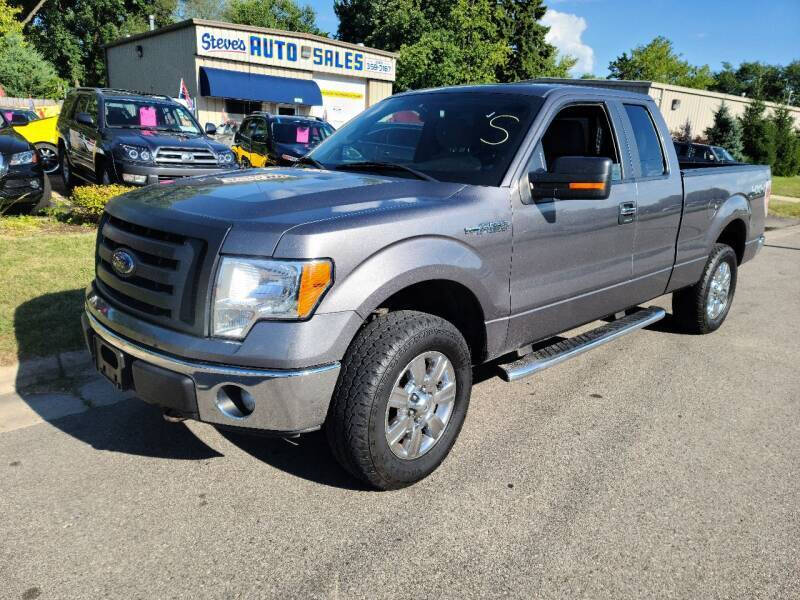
(757,143)
(726,132)
(25,73)
(785,140)
(685,132)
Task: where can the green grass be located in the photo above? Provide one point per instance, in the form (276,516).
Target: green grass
(42,278)
(27,225)
(790,210)
(786,186)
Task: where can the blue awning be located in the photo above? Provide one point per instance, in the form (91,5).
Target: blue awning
(221,83)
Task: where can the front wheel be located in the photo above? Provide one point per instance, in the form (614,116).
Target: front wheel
(401,399)
(66,171)
(703,307)
(49,154)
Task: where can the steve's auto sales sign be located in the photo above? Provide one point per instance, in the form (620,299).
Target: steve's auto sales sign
(285,50)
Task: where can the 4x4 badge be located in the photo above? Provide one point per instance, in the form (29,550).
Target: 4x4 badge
(490,227)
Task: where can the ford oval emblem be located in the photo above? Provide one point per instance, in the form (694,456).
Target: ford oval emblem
(123,262)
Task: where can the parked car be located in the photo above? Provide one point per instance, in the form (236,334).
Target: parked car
(264,139)
(23,184)
(359,293)
(226,131)
(41,132)
(115,136)
(702,153)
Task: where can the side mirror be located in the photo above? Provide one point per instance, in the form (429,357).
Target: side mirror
(85,119)
(211,129)
(19,120)
(573,178)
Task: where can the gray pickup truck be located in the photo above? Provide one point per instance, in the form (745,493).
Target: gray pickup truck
(436,231)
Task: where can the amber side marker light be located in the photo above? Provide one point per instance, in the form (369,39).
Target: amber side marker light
(588,185)
(315,280)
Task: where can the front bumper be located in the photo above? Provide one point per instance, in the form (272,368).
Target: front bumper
(22,185)
(155,174)
(280,401)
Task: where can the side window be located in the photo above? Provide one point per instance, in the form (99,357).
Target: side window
(80,106)
(91,107)
(260,128)
(651,155)
(578,130)
(244,128)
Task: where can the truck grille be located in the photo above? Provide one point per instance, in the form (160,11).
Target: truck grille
(163,286)
(186,157)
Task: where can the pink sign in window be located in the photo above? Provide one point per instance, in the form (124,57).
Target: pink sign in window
(8,116)
(147,116)
(302,135)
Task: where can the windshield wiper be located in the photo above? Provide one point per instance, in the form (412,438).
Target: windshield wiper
(307,160)
(376,166)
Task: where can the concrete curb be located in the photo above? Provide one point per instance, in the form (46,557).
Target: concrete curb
(42,370)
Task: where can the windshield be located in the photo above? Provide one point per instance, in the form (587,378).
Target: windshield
(300,132)
(138,114)
(723,154)
(468,137)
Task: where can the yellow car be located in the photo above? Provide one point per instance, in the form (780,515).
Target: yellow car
(39,132)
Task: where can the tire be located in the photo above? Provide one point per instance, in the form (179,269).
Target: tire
(103,174)
(700,309)
(376,365)
(49,154)
(245,163)
(66,171)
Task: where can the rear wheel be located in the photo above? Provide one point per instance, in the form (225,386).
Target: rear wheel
(245,163)
(66,171)
(401,399)
(702,308)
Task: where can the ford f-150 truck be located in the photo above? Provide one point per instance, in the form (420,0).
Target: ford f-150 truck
(355,291)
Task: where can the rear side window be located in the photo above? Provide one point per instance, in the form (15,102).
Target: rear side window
(651,156)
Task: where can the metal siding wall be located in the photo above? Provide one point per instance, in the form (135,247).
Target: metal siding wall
(698,106)
(166,59)
(377,91)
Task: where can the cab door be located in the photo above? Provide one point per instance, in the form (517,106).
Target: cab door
(260,143)
(659,198)
(241,140)
(572,259)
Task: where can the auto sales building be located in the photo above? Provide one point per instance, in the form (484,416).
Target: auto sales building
(232,70)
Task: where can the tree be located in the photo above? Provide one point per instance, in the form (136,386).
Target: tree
(684,134)
(71,33)
(658,61)
(531,56)
(446,42)
(725,132)
(787,145)
(355,19)
(758,80)
(9,19)
(25,73)
(200,9)
(273,14)
(757,142)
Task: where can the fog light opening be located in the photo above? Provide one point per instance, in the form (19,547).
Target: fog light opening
(235,402)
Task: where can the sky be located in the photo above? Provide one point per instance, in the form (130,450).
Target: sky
(703,31)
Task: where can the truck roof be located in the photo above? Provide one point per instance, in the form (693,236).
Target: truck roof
(533,88)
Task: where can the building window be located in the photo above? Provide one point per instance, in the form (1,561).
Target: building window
(241,107)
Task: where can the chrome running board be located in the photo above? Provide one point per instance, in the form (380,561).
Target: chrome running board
(549,356)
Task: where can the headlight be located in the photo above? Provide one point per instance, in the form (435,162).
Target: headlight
(248,290)
(134,153)
(225,158)
(23,158)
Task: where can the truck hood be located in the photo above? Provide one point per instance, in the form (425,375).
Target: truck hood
(260,205)
(159,139)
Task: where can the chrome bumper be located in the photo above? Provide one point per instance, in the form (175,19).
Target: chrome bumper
(285,401)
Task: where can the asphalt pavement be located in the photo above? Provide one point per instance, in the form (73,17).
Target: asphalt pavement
(659,466)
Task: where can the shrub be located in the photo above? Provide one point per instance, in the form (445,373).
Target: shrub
(89,201)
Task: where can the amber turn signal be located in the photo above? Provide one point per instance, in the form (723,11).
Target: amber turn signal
(316,278)
(588,185)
